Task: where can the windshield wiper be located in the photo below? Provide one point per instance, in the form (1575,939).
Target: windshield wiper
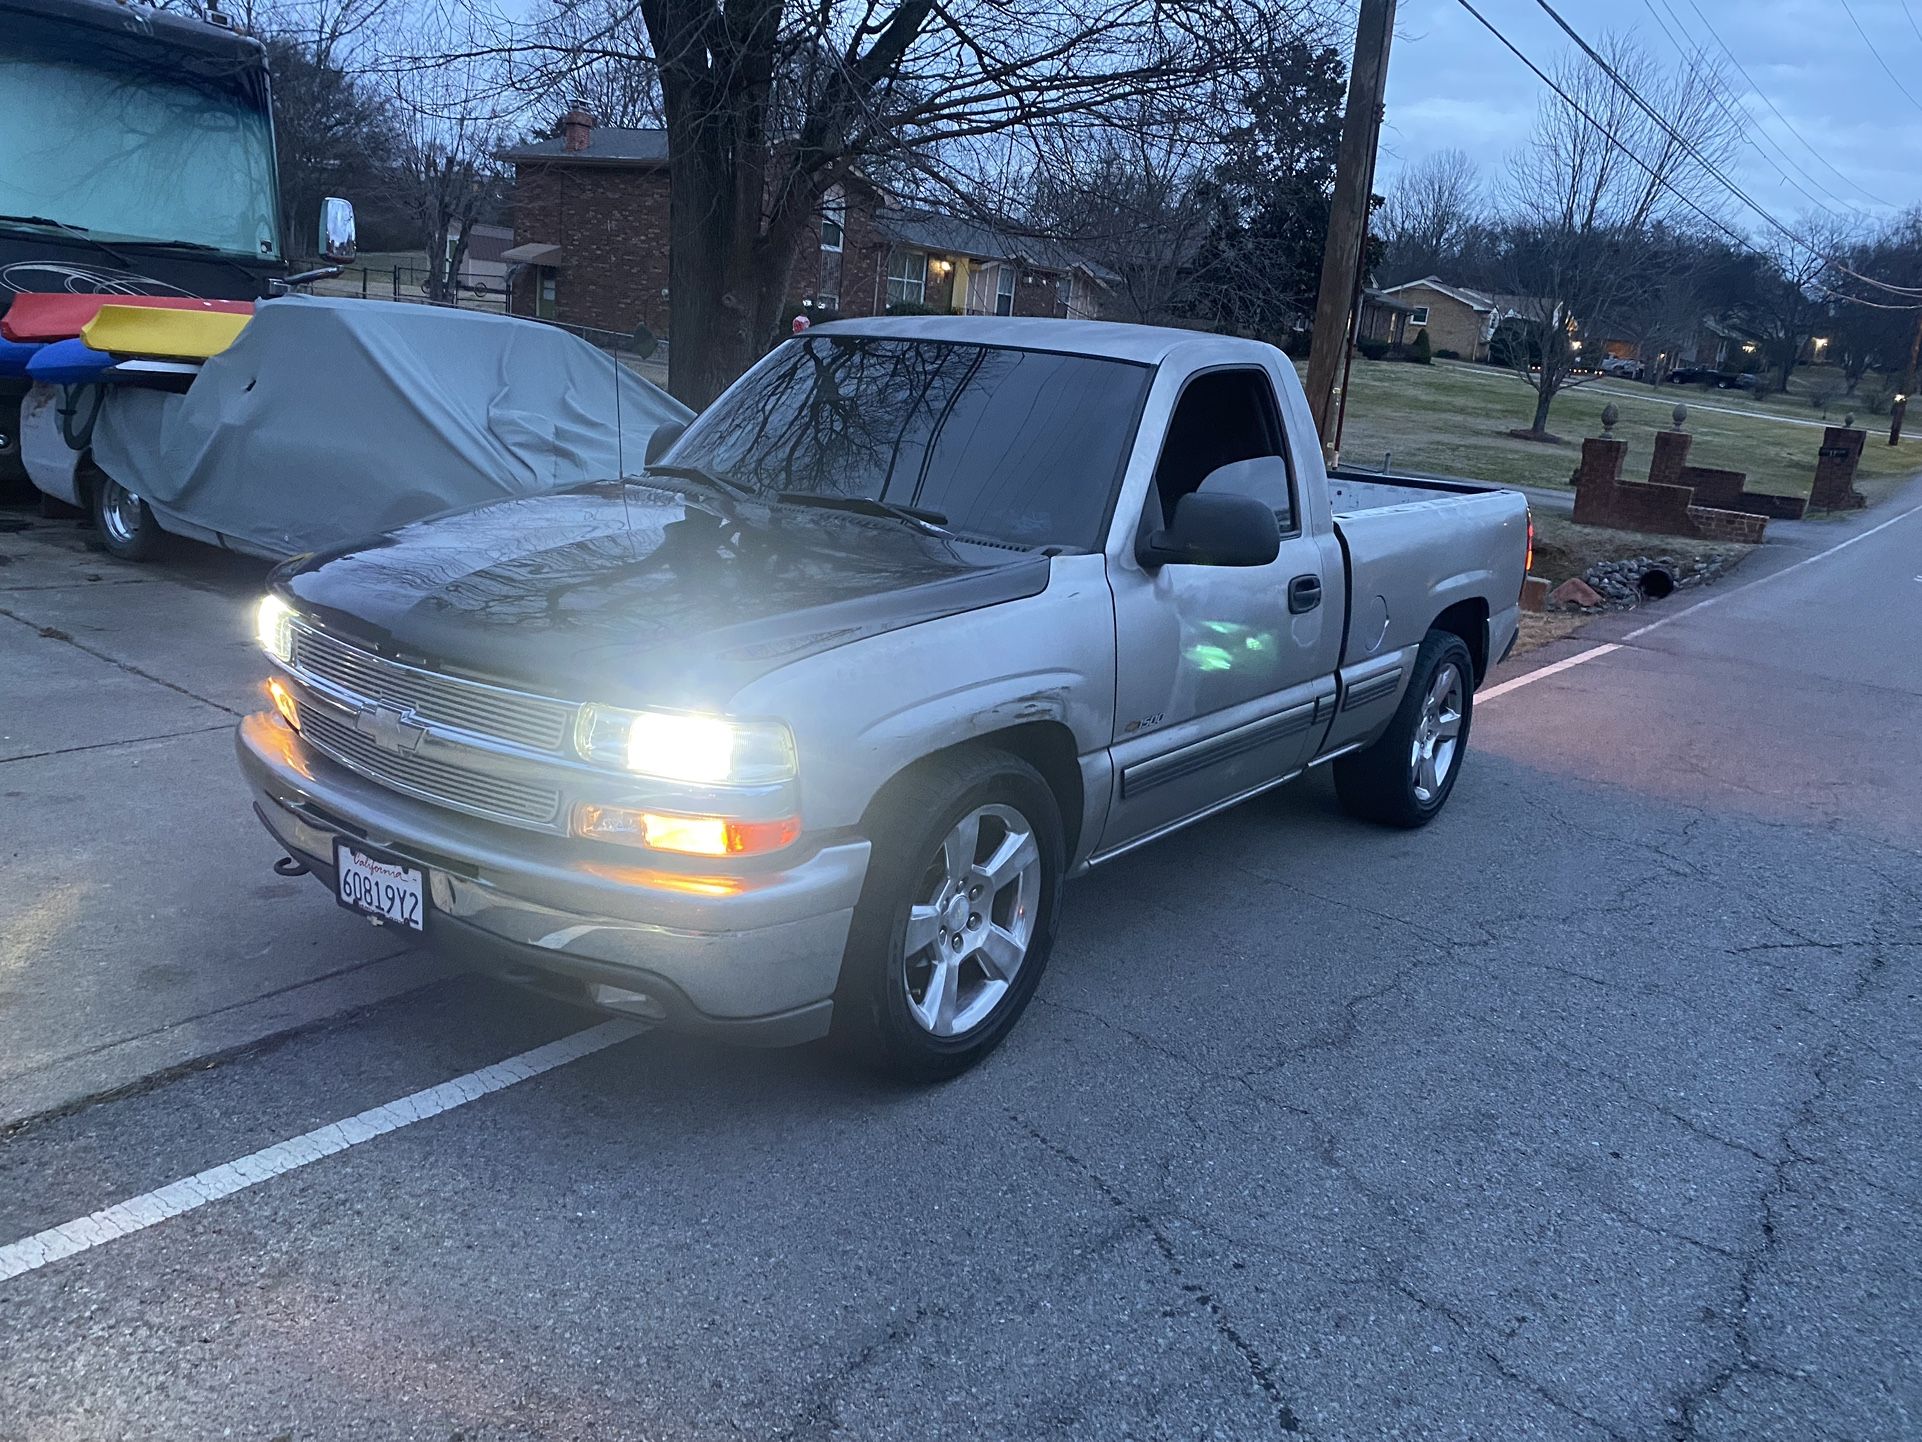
(865,505)
(70,228)
(702,475)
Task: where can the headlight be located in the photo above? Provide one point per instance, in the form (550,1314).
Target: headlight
(685,746)
(274,627)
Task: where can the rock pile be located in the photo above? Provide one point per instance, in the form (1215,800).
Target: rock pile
(1618,584)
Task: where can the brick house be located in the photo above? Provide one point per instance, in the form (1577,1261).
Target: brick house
(590,216)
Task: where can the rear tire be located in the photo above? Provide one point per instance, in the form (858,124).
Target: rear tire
(956,919)
(1405,778)
(127,528)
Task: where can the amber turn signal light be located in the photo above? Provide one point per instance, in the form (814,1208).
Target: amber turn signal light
(685,835)
(284,703)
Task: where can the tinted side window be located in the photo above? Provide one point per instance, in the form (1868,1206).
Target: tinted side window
(1222,417)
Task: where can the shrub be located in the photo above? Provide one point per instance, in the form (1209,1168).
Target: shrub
(913,307)
(1874,394)
(1822,395)
(1446,354)
(1419,352)
(1372,347)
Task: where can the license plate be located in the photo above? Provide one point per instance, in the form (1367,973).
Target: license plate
(379,886)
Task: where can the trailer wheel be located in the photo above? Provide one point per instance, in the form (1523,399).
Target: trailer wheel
(127,528)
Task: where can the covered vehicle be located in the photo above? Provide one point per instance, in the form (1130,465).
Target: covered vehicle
(329,419)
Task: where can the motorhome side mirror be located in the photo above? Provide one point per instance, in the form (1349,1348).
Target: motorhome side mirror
(337,238)
(661,440)
(1214,531)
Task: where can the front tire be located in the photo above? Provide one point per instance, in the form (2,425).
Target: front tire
(956,920)
(127,528)
(1405,778)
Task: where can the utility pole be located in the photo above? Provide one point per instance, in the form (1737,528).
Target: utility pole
(1341,259)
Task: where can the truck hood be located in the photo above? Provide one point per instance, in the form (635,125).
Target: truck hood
(632,594)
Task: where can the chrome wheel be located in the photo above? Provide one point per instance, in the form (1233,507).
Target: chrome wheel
(972,920)
(120,512)
(1437,733)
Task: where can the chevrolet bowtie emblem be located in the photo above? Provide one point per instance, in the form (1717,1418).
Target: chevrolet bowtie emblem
(392,728)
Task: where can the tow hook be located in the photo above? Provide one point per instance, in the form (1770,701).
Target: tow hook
(287,866)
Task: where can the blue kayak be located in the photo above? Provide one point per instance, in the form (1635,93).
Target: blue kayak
(14,355)
(67,362)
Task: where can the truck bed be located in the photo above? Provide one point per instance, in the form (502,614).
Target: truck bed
(1410,540)
(1351,491)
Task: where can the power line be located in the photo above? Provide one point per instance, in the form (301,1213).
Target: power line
(1695,152)
(1887,69)
(1741,242)
(1787,124)
(1690,49)
(1909,15)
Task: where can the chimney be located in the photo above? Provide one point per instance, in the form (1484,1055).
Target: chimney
(577,128)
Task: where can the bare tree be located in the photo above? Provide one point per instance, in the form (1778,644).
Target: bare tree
(1429,216)
(1585,194)
(769,103)
(1791,296)
(455,118)
(1134,197)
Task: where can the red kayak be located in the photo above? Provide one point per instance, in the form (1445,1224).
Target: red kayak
(40,316)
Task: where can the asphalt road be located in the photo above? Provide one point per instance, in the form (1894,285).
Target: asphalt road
(1588,1112)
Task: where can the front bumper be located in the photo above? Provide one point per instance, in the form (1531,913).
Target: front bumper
(756,955)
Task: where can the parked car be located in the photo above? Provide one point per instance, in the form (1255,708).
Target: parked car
(806,726)
(1622,366)
(1708,375)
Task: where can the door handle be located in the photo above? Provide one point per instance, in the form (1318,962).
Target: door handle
(1304,594)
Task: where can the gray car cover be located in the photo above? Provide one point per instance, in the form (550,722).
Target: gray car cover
(330,419)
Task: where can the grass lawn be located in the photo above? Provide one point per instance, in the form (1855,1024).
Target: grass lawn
(1453,420)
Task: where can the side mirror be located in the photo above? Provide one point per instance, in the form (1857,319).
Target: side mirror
(337,240)
(661,440)
(1214,531)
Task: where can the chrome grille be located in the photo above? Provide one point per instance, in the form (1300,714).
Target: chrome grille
(431,779)
(538,722)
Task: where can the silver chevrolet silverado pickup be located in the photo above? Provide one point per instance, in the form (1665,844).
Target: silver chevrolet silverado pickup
(802,726)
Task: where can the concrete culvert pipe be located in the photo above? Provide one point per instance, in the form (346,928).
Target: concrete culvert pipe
(1656,583)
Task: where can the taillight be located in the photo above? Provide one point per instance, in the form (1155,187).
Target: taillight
(1528,555)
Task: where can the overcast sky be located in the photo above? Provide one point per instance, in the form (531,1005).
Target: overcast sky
(1451,84)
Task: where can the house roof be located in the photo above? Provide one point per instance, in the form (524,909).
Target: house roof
(606,145)
(958,235)
(1473,299)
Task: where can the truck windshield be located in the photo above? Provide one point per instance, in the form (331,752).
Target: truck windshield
(135,148)
(1015,445)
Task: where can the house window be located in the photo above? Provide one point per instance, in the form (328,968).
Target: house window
(834,218)
(1004,291)
(907,277)
(1418,316)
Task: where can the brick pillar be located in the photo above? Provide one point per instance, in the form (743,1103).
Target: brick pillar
(1595,480)
(1835,465)
(1671,454)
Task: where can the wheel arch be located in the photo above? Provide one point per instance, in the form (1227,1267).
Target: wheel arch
(1469,620)
(1046,745)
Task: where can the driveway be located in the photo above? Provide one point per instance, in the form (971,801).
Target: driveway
(1587,1112)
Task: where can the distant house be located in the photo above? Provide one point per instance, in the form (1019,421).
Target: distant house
(1456,318)
(590,245)
(483,269)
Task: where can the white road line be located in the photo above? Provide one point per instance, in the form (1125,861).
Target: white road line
(1773,575)
(1528,678)
(150,1208)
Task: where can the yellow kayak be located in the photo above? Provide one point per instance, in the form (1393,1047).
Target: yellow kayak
(168,334)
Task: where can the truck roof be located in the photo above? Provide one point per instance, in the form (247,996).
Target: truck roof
(1112,340)
(164,26)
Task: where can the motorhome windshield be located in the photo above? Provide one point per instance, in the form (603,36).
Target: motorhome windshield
(125,141)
